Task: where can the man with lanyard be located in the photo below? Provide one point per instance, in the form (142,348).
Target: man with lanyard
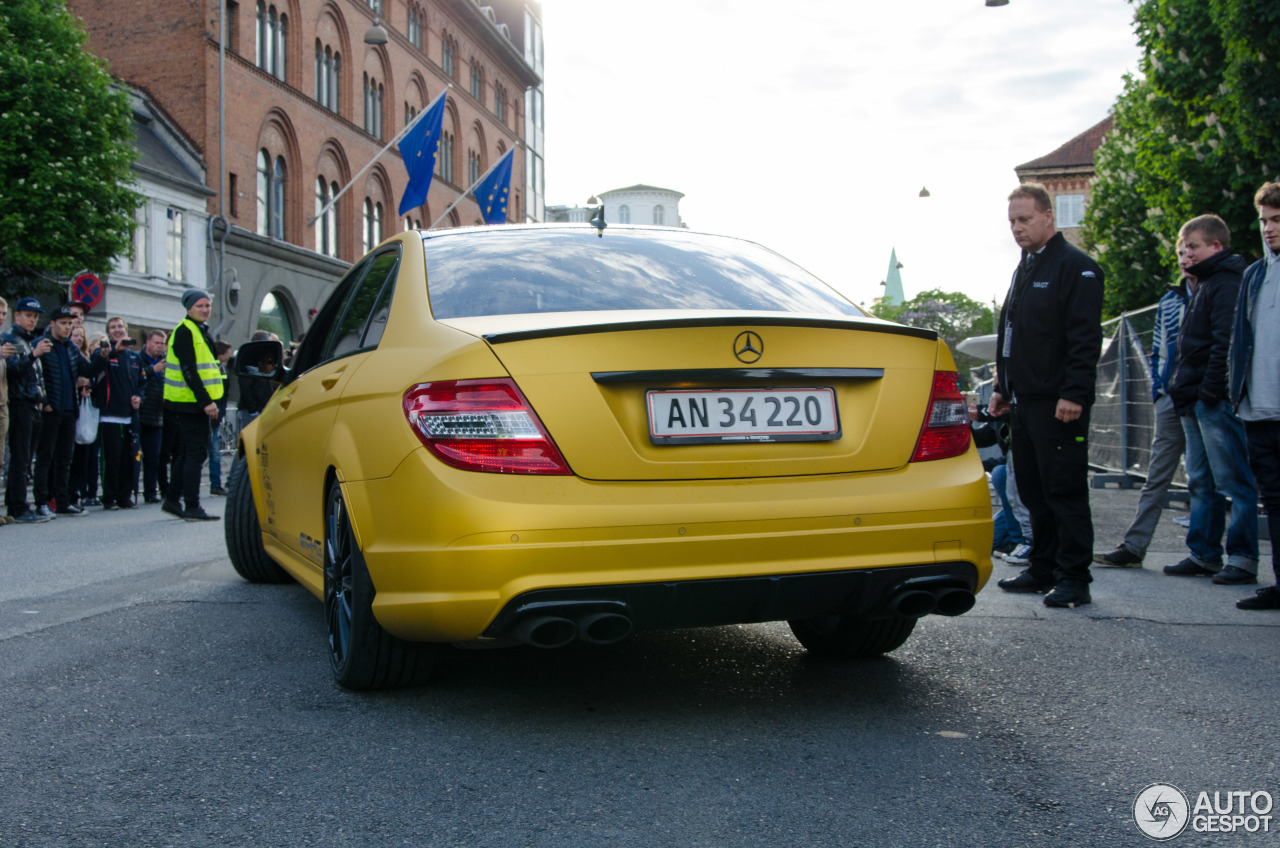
(1049,337)
(192,387)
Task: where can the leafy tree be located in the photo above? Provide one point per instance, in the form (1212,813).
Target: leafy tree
(1194,134)
(952,315)
(65,149)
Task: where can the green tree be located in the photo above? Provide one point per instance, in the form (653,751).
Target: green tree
(952,315)
(1194,134)
(66,202)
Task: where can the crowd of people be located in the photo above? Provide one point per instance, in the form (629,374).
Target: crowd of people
(76,411)
(1215,380)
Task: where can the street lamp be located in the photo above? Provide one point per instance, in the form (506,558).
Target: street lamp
(377,34)
(997,2)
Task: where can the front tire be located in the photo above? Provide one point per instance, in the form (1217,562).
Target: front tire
(850,637)
(361,654)
(244,533)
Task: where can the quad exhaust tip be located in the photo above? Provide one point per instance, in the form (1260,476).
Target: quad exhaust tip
(554,631)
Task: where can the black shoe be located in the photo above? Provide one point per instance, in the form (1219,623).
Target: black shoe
(1068,594)
(1024,582)
(151,499)
(218,492)
(1268,598)
(126,504)
(173,508)
(108,506)
(1232,576)
(1189,568)
(198,514)
(70,509)
(1121,557)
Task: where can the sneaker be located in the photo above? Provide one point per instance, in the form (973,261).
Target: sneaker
(1020,555)
(110,507)
(1233,576)
(1182,520)
(90,502)
(198,514)
(126,504)
(151,499)
(218,492)
(1024,582)
(1268,598)
(1001,550)
(71,509)
(31,517)
(1121,557)
(1068,594)
(45,511)
(173,508)
(1189,568)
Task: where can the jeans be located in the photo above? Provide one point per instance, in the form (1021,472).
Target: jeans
(1217,469)
(1167,445)
(1264,459)
(1020,512)
(1007,531)
(215,459)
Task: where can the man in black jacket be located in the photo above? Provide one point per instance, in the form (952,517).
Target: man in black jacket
(192,387)
(65,371)
(119,397)
(155,472)
(26,397)
(1217,449)
(1048,340)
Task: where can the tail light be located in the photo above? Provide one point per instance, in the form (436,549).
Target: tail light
(946,425)
(482,425)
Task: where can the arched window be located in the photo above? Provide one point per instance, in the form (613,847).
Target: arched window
(415,26)
(274,318)
(264,190)
(272,38)
(448,53)
(444,163)
(327,224)
(658,214)
(411,223)
(328,68)
(473,166)
(372,224)
(373,93)
(500,104)
(278,181)
(624,214)
(477,81)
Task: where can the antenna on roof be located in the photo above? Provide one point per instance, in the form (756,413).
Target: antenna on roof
(598,221)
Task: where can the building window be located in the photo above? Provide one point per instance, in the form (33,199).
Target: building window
(328,69)
(1070,211)
(327,224)
(140,262)
(373,94)
(477,82)
(658,214)
(376,6)
(274,318)
(233,195)
(411,223)
(444,162)
(272,37)
(415,26)
(448,52)
(372,224)
(624,214)
(271,195)
(473,167)
(175,245)
(500,104)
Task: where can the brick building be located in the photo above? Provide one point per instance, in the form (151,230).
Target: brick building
(1068,173)
(308,104)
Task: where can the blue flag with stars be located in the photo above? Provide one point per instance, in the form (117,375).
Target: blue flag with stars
(419,149)
(493,190)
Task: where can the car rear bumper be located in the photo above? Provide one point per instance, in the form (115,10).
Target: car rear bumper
(449,551)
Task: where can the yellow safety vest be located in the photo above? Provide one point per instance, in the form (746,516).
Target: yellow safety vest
(175,387)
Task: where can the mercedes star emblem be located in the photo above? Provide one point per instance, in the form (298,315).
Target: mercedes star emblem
(748,347)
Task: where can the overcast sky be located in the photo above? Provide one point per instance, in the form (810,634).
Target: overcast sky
(811,126)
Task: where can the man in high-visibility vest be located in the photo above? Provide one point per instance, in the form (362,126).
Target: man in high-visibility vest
(192,388)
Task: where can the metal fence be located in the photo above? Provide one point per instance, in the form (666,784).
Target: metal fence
(1123,416)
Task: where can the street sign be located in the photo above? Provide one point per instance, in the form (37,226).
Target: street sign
(87,289)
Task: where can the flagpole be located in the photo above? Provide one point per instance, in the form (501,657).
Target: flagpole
(463,196)
(312,219)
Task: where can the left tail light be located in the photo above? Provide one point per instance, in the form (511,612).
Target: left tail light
(946,425)
(482,425)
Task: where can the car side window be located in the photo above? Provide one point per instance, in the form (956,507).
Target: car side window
(349,330)
(316,341)
(381,312)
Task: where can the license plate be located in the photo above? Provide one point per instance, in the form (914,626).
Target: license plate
(742,415)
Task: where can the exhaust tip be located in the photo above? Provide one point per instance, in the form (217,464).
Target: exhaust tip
(545,631)
(604,628)
(912,604)
(955,601)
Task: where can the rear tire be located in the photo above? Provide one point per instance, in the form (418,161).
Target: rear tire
(361,654)
(244,533)
(849,637)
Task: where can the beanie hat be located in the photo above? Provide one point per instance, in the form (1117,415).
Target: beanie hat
(190,296)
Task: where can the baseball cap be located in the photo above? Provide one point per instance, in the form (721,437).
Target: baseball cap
(28,304)
(63,311)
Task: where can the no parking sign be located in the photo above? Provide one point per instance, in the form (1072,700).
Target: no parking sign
(87,289)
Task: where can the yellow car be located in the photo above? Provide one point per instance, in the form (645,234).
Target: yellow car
(542,434)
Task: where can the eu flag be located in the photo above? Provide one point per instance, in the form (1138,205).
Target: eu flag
(493,190)
(419,148)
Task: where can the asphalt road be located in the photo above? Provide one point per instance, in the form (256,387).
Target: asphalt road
(150,697)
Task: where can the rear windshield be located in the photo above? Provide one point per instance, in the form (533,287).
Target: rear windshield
(522,271)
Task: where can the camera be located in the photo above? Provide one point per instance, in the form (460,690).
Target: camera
(104,344)
(129,342)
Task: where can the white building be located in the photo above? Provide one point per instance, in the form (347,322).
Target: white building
(170,244)
(639,204)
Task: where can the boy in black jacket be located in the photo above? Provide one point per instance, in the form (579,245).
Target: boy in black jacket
(119,397)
